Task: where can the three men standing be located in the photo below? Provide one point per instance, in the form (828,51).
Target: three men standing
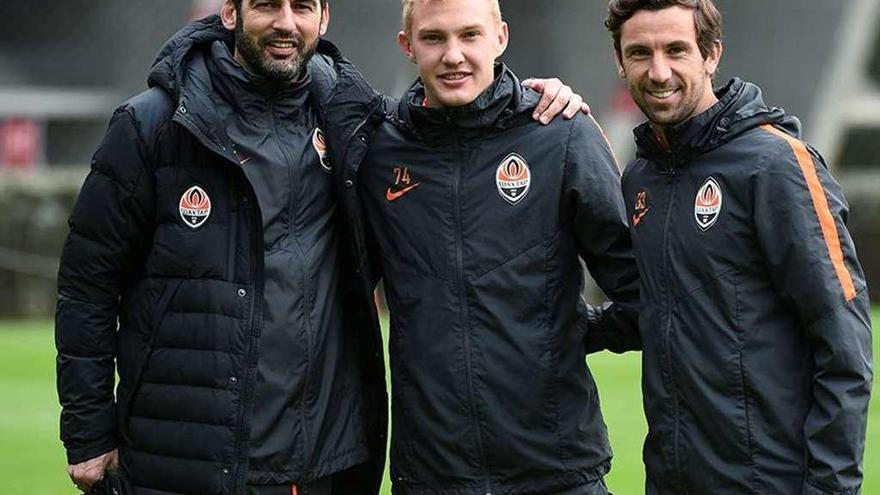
(248,350)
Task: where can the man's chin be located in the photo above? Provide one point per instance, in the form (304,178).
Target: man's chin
(455,99)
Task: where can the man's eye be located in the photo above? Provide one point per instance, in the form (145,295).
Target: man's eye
(471,34)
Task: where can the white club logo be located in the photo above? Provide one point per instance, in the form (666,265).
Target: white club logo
(513,178)
(195,207)
(319,142)
(707,207)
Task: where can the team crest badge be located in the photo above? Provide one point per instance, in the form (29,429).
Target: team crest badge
(513,178)
(707,207)
(195,207)
(319,142)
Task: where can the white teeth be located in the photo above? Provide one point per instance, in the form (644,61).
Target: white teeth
(454,77)
(661,95)
(281,44)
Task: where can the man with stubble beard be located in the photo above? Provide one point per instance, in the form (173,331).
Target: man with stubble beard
(755,324)
(204,266)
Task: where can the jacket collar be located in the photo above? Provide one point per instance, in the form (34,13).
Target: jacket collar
(740,108)
(502,105)
(253,96)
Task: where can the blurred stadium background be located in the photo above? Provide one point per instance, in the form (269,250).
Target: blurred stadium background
(65,65)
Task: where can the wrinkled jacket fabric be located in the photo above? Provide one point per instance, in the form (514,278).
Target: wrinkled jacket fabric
(491,391)
(755,320)
(188,299)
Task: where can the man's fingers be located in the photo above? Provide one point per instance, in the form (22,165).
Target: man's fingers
(551,89)
(534,84)
(574,106)
(84,476)
(585,109)
(557,105)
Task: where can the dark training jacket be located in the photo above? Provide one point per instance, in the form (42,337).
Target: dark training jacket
(167,238)
(755,318)
(482,217)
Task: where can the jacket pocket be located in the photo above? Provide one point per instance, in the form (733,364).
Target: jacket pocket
(143,358)
(707,356)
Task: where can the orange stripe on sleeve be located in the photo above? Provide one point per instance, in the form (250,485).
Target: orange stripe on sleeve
(823,211)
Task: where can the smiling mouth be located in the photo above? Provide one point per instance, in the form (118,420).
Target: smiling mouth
(454,76)
(662,95)
(284,45)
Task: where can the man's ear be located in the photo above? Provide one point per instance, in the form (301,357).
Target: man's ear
(620,71)
(503,39)
(714,58)
(325,18)
(405,45)
(228,15)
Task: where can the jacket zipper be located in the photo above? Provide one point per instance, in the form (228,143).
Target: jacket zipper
(307,299)
(462,302)
(253,325)
(667,335)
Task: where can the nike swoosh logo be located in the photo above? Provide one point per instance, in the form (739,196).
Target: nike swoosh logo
(245,161)
(637,219)
(395,195)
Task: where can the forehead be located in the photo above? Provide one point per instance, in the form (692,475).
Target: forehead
(674,24)
(315,3)
(450,14)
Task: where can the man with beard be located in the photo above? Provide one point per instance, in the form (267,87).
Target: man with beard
(204,265)
(755,317)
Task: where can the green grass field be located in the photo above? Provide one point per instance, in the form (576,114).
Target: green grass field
(32,460)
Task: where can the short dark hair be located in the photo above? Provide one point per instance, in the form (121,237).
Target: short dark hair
(707,19)
(237,4)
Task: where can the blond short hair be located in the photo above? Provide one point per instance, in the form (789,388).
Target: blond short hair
(408,10)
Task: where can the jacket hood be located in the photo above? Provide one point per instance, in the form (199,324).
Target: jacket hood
(171,64)
(503,105)
(182,71)
(740,108)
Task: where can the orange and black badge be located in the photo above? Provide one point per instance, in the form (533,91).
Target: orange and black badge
(707,205)
(319,142)
(513,178)
(195,207)
(641,208)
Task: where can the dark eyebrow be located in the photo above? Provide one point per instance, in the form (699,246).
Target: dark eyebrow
(634,46)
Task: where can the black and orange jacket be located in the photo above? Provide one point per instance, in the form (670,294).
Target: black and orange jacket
(755,319)
(481,218)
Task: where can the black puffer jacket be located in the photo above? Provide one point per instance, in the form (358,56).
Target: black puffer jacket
(757,341)
(482,217)
(167,238)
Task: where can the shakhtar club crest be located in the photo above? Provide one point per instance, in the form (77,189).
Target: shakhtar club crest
(513,178)
(319,142)
(195,207)
(707,207)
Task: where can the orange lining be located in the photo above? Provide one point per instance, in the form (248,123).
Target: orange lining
(820,203)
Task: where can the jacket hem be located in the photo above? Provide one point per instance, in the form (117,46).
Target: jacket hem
(557,481)
(340,462)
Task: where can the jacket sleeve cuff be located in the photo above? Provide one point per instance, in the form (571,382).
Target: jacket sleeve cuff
(78,454)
